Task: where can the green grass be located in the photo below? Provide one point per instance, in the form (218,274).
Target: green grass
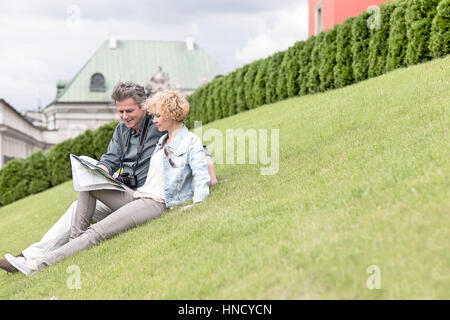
(364,179)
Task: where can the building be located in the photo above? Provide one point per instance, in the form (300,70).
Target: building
(19,138)
(84,102)
(324,14)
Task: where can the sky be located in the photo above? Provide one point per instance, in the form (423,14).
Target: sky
(42,41)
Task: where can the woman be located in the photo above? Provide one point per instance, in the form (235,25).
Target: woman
(178,172)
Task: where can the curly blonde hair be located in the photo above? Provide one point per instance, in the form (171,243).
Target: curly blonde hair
(172,105)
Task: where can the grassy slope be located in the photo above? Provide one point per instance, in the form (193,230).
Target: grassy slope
(363,180)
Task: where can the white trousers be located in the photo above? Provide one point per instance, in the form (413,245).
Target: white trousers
(59,233)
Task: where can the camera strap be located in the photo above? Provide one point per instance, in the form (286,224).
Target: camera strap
(141,144)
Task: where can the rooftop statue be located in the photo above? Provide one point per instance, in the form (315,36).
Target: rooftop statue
(158,82)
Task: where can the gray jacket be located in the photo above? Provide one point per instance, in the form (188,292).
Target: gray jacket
(111,159)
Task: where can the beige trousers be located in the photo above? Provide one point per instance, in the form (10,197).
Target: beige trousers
(128,212)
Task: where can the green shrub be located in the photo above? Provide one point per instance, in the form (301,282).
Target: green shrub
(360,46)
(314,76)
(223,98)
(83,144)
(343,71)
(378,44)
(440,33)
(282,92)
(272,76)
(231,94)
(259,87)
(202,105)
(398,40)
(36,173)
(419,16)
(327,54)
(305,65)
(58,162)
(189,121)
(218,98)
(241,103)
(293,70)
(210,103)
(13,182)
(101,138)
(193,105)
(249,81)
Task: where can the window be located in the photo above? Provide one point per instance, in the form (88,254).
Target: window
(97,83)
(7,159)
(318,18)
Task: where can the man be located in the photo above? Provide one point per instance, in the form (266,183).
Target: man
(129,98)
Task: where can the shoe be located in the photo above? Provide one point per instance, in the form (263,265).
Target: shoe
(20,264)
(8,267)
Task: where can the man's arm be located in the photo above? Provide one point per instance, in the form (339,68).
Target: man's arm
(110,161)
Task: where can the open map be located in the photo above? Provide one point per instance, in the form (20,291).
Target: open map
(87,176)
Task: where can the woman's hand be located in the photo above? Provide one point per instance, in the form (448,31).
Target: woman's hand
(188,206)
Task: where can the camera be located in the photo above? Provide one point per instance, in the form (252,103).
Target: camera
(130,180)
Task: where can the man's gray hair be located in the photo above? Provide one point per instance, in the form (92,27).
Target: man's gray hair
(125,90)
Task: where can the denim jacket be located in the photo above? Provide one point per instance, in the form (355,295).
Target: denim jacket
(186,175)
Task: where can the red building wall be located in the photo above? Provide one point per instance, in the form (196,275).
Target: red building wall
(337,11)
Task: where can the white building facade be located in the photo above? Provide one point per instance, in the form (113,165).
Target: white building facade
(18,137)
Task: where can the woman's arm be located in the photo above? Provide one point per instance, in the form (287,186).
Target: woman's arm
(199,167)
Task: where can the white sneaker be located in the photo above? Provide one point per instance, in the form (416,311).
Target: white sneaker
(21,264)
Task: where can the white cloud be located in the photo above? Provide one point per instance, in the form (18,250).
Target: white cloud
(279,30)
(35,54)
(41,43)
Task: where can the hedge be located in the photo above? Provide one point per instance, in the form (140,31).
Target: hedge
(440,33)
(410,31)
(327,55)
(230,91)
(211,112)
(360,47)
(293,69)
(223,99)
(313,81)
(102,137)
(13,182)
(398,40)
(204,110)
(241,103)
(282,92)
(272,77)
(58,162)
(343,71)
(419,17)
(259,88)
(218,99)
(249,81)
(378,45)
(305,65)
(38,172)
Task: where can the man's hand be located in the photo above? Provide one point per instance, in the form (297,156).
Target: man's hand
(103,167)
